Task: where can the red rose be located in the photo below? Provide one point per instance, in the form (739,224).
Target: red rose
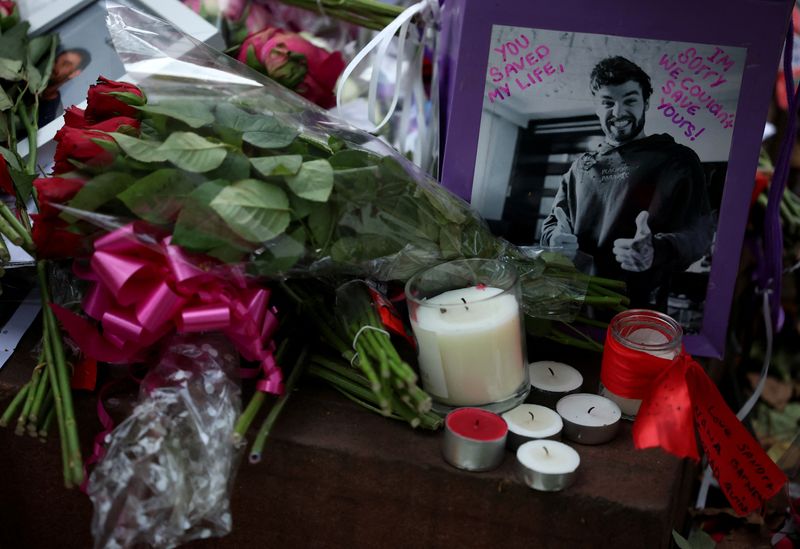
(74,117)
(77,144)
(55,190)
(293,61)
(102,104)
(53,240)
(8,15)
(762,183)
(114,124)
(6,183)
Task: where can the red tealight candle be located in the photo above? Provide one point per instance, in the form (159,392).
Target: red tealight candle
(474,439)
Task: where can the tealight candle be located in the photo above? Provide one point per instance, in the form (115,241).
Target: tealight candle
(547,465)
(589,419)
(552,380)
(529,422)
(474,439)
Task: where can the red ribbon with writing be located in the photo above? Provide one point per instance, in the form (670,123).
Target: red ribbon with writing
(144,287)
(677,397)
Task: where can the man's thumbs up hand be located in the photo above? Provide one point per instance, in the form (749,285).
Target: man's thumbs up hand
(562,236)
(636,254)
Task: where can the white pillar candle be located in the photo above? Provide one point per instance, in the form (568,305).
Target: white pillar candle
(547,465)
(552,380)
(470,345)
(589,419)
(531,421)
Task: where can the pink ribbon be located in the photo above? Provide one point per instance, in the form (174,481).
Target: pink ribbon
(143,287)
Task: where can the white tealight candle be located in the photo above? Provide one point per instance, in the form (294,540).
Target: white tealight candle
(470,345)
(552,380)
(531,421)
(547,465)
(589,419)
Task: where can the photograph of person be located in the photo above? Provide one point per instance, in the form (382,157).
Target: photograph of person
(68,64)
(637,203)
(614,146)
(82,56)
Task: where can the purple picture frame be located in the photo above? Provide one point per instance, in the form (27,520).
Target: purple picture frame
(759,26)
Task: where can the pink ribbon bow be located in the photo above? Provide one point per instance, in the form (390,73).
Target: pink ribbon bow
(144,287)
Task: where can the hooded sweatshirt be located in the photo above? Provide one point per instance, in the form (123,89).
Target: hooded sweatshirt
(604,191)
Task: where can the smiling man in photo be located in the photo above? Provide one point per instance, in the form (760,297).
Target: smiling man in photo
(638,204)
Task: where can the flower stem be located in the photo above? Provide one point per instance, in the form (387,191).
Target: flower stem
(61,379)
(4,253)
(15,403)
(33,132)
(40,391)
(269,421)
(16,226)
(48,421)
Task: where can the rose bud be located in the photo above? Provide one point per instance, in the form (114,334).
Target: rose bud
(293,61)
(9,15)
(55,190)
(102,103)
(76,144)
(53,240)
(74,117)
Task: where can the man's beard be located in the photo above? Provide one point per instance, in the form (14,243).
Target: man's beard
(624,128)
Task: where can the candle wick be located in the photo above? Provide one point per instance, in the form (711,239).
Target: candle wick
(464,301)
(552,373)
(442,310)
(532,418)
(546,451)
(590,410)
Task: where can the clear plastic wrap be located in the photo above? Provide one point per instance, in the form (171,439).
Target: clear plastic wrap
(167,475)
(209,156)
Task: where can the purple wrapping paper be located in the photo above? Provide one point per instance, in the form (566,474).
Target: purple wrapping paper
(759,26)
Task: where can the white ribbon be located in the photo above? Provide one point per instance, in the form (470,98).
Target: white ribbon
(408,82)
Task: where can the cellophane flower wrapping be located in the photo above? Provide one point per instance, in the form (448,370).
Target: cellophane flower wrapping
(167,474)
(266,177)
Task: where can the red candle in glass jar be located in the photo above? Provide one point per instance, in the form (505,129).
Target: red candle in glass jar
(474,439)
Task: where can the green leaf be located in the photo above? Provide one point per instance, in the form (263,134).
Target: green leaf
(288,164)
(255,210)
(199,228)
(313,182)
(159,196)
(10,69)
(140,149)
(14,43)
(192,152)
(11,158)
(46,68)
(38,46)
(281,253)
(129,98)
(698,539)
(321,142)
(23,182)
(352,159)
(277,137)
(194,114)
(106,145)
(266,132)
(236,166)
(99,190)
(321,222)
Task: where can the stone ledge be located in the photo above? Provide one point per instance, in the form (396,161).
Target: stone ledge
(335,475)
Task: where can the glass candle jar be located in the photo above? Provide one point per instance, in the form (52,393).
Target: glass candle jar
(647,331)
(468,323)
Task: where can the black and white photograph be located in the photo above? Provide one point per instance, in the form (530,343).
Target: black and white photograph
(613,146)
(82,56)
